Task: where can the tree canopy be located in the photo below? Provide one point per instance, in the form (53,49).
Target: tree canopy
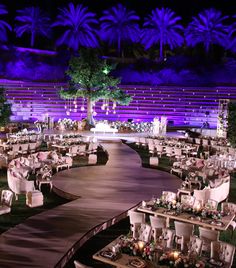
(162,27)
(79,25)
(4,26)
(119,25)
(34,21)
(208,28)
(90,77)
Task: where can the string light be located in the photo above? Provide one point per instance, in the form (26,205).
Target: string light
(82,107)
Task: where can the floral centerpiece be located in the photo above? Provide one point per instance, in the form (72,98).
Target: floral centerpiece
(133,247)
(67,123)
(203,212)
(163,203)
(176,259)
(212,214)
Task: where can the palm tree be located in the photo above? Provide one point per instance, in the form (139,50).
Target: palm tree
(207,28)
(232,36)
(3,25)
(34,21)
(119,25)
(162,27)
(79,24)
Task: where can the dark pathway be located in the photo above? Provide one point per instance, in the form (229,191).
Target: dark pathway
(105,193)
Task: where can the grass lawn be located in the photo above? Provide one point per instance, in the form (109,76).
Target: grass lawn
(20,212)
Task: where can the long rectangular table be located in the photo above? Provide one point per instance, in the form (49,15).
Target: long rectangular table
(124,260)
(187,217)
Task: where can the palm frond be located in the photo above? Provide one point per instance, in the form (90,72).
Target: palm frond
(207,28)
(80,26)
(4,26)
(162,26)
(119,25)
(32,20)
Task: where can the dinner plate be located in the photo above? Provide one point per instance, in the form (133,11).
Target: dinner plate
(172,213)
(109,254)
(195,218)
(218,223)
(137,263)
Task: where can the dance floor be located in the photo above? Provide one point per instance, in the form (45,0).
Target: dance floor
(101,195)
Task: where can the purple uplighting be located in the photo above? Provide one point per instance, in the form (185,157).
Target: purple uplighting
(183,106)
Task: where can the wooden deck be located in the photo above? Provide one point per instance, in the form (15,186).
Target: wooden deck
(105,193)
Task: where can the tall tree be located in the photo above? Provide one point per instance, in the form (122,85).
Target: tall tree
(162,27)
(4,26)
(207,28)
(79,26)
(119,25)
(5,108)
(90,78)
(231,118)
(34,21)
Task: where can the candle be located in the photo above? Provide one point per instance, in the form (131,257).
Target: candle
(175,255)
(141,245)
(198,207)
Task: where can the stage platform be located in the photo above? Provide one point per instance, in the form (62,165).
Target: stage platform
(116,136)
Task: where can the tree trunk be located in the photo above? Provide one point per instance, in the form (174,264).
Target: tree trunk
(119,45)
(207,48)
(32,39)
(161,49)
(90,111)
(207,51)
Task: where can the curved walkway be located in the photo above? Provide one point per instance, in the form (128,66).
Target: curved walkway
(104,194)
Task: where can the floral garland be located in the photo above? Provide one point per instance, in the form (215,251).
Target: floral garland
(68,123)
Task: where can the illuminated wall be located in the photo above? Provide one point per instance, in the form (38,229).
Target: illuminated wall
(182,105)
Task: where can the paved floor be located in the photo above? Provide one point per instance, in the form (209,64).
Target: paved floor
(104,194)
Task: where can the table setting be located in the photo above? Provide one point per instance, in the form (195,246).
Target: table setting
(196,214)
(128,252)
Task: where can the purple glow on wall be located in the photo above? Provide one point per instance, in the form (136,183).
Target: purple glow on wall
(183,106)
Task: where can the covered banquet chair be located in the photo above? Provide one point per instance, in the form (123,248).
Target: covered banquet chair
(6,201)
